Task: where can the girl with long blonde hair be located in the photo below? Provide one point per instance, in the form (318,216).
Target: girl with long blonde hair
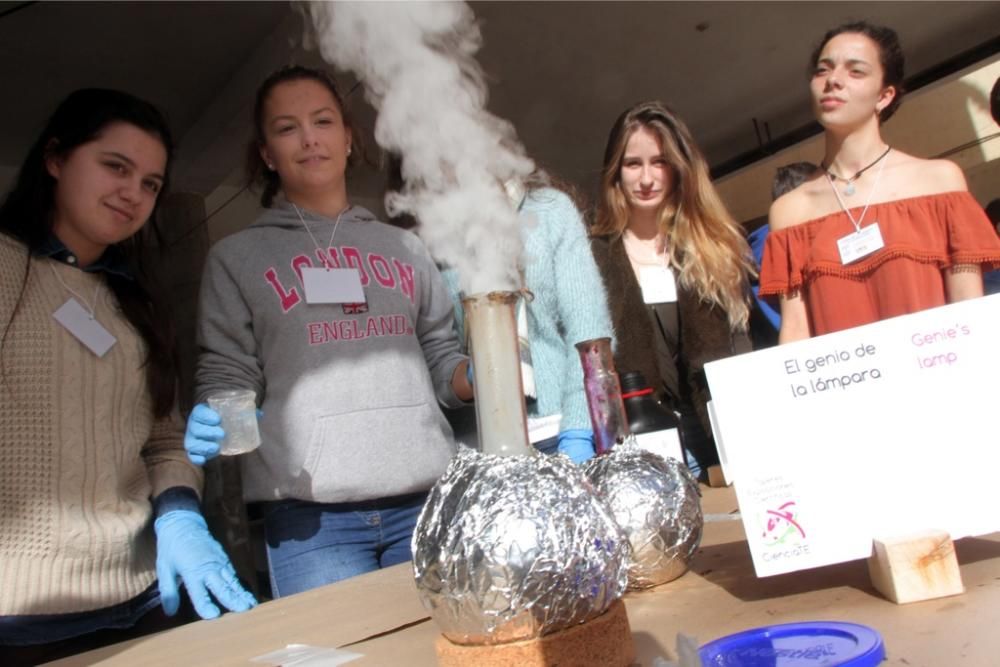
(674,263)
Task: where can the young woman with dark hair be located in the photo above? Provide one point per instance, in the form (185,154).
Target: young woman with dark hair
(875,232)
(92,444)
(352,435)
(675,265)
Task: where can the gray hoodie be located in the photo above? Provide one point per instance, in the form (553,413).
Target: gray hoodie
(349,392)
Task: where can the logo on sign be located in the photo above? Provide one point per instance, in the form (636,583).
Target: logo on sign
(782,526)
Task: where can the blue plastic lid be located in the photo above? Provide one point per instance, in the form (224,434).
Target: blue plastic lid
(826,643)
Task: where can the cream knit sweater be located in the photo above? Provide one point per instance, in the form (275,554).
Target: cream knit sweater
(80,453)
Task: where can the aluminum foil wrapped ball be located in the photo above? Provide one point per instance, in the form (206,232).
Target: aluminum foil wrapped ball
(511,548)
(657,503)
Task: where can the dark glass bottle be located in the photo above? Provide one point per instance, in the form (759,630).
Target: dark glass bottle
(655,426)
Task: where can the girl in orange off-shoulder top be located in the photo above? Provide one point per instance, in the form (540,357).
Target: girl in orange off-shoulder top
(874,232)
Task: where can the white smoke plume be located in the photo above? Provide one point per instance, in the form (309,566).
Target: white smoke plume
(416,62)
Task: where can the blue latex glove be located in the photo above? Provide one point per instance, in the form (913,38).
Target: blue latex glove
(185,549)
(577,444)
(203,435)
(468,373)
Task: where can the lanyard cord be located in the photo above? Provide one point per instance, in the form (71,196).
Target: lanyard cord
(324,255)
(871,195)
(91,309)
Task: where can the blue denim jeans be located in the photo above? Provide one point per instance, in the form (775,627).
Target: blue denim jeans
(45,628)
(41,638)
(699,449)
(314,544)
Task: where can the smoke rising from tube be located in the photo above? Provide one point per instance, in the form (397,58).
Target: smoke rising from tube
(416,61)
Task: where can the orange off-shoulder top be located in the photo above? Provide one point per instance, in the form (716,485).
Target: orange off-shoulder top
(922,235)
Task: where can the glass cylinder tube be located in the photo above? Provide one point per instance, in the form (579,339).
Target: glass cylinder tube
(604,393)
(491,324)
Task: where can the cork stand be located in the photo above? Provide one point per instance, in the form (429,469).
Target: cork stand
(605,641)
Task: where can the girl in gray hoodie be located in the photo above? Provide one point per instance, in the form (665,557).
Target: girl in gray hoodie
(352,434)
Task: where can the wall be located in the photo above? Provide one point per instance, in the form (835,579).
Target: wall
(7,175)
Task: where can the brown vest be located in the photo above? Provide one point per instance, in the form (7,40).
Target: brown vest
(673,363)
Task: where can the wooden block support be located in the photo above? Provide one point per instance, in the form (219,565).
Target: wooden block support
(605,641)
(716,479)
(916,567)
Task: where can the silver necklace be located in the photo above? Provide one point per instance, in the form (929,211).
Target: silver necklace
(850,189)
(871,195)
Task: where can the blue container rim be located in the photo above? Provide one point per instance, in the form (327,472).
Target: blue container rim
(737,650)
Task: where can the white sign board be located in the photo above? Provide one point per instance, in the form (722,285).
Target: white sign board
(878,431)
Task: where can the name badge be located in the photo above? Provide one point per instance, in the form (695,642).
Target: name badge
(84,327)
(332,285)
(658,284)
(860,244)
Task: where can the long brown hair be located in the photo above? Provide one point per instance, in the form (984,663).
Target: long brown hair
(27,215)
(704,244)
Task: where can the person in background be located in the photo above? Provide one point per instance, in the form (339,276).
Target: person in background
(991,279)
(674,263)
(880,233)
(92,463)
(567,304)
(352,433)
(790,176)
(765,321)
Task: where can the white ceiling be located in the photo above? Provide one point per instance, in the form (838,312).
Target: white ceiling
(560,71)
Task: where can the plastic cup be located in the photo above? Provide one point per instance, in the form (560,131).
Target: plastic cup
(238,410)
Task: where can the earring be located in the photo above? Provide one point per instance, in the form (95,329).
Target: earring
(270,166)
(348,150)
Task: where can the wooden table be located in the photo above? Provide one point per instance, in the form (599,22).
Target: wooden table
(379,616)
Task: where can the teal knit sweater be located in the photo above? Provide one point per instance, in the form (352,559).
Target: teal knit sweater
(570,304)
